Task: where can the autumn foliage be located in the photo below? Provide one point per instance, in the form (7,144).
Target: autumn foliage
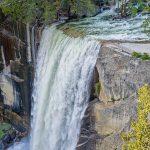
(138,138)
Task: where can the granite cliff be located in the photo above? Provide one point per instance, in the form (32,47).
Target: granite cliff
(120,76)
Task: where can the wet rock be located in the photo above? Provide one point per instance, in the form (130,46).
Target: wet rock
(105,8)
(6,139)
(10,137)
(13,135)
(1,145)
(88,134)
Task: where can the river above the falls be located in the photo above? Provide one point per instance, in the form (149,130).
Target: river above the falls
(105,27)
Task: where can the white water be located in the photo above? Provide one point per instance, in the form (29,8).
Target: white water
(61,90)
(104,27)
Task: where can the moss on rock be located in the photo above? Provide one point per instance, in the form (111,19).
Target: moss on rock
(4,128)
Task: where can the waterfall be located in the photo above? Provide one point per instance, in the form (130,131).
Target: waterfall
(61,90)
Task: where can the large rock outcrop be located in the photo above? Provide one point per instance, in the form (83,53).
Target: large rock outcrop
(120,77)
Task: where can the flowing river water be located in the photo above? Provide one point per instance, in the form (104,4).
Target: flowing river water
(105,27)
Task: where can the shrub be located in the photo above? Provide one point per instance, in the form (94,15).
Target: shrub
(136,54)
(144,56)
(138,138)
(97,88)
(4,127)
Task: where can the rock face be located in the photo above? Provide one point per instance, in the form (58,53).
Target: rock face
(120,76)
(18,45)
(18,48)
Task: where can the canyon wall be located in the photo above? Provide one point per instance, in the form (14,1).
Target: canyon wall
(18,47)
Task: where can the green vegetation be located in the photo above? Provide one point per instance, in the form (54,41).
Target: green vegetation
(138,137)
(136,54)
(144,56)
(20,10)
(45,10)
(97,88)
(135,6)
(4,127)
(146,25)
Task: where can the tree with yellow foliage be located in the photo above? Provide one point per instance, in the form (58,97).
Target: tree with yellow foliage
(138,137)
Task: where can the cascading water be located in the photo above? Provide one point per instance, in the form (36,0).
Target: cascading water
(61,90)
(105,27)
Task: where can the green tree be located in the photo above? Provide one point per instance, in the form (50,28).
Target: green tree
(135,6)
(19,10)
(29,10)
(146,25)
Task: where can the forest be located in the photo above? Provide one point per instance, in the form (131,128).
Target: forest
(48,10)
